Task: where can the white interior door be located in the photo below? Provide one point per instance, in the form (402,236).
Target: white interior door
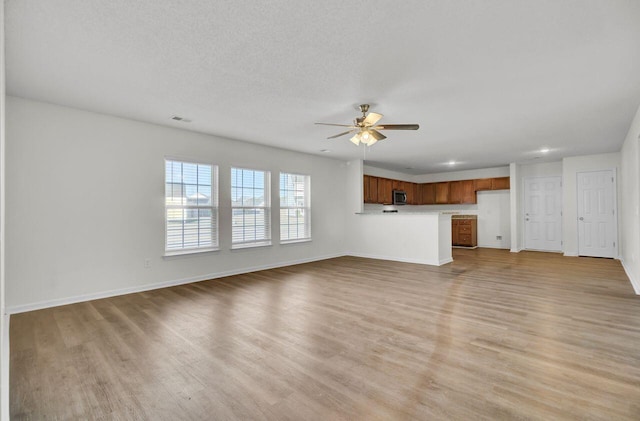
(597,223)
(543,213)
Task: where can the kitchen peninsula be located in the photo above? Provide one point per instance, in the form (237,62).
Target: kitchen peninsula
(414,237)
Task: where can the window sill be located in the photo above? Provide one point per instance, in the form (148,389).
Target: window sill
(189,251)
(250,245)
(301,240)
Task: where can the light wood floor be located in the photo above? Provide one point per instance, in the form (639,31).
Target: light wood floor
(494,335)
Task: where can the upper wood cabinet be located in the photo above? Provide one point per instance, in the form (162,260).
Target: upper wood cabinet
(370,189)
(483,183)
(463,192)
(380,190)
(500,183)
(385,190)
(442,192)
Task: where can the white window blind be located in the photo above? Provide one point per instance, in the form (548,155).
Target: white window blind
(251,208)
(191,207)
(295,207)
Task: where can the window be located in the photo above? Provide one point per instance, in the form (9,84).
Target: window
(251,208)
(191,207)
(295,208)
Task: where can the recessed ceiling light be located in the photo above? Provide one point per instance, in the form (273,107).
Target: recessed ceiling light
(544,150)
(452,162)
(325,150)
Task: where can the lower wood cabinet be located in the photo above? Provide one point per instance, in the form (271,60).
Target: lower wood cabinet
(464,230)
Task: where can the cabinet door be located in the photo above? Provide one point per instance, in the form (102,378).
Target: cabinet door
(483,184)
(428,193)
(415,199)
(468,192)
(373,189)
(500,183)
(442,193)
(385,187)
(454,232)
(365,187)
(455,192)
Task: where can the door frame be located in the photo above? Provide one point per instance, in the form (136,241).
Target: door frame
(614,173)
(524,213)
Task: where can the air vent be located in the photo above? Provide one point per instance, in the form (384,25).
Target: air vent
(182,119)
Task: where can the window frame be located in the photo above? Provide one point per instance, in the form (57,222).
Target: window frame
(213,207)
(306,207)
(268,241)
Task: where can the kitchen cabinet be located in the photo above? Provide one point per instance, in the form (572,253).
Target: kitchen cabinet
(464,230)
(462,192)
(380,190)
(412,190)
(442,193)
(385,189)
(428,194)
(483,184)
(370,189)
(500,183)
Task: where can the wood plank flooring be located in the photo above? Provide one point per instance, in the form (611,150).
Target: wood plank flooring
(494,335)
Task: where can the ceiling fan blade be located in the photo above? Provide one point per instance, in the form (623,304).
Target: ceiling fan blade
(339,125)
(355,139)
(397,127)
(376,135)
(371,119)
(340,134)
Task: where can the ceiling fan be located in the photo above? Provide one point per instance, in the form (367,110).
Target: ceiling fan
(367,129)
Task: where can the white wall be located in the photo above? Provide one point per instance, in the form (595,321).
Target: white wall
(462,175)
(570,168)
(630,203)
(514,207)
(380,172)
(494,219)
(4,325)
(85,207)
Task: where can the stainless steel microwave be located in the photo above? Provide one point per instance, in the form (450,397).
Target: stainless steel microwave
(399,197)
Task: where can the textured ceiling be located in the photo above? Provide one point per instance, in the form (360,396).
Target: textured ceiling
(489,82)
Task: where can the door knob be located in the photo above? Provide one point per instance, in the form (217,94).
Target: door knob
(581,218)
(526,219)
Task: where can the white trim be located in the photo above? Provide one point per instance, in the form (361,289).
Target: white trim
(515,250)
(301,240)
(182,252)
(635,283)
(492,247)
(570,254)
(148,287)
(400,259)
(4,368)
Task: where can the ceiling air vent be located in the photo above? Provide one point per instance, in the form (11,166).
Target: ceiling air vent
(182,119)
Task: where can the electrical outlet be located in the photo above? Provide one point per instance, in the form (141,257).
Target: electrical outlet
(498,237)
(147,263)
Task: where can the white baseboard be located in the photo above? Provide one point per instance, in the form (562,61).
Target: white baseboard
(4,370)
(398,259)
(487,246)
(516,250)
(635,283)
(570,254)
(445,261)
(148,287)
